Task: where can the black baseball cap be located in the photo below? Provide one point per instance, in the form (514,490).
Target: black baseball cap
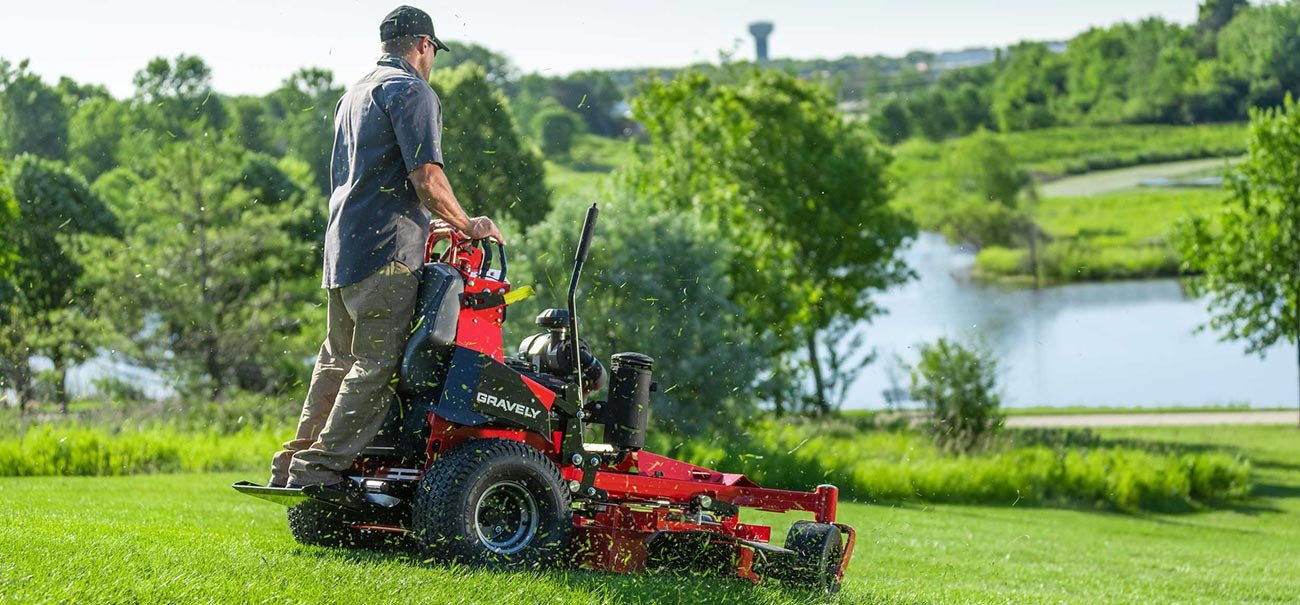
(408,21)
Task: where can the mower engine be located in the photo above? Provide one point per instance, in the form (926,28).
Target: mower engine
(484,459)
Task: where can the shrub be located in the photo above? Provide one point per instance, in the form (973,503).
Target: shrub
(959,387)
(555,128)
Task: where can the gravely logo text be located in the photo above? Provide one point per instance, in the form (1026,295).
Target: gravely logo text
(509,406)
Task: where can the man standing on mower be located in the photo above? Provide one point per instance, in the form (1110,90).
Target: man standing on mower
(387,177)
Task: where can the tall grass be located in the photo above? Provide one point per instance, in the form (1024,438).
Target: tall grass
(1049,468)
(903,466)
(80,450)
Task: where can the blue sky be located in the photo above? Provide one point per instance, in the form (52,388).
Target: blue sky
(252,45)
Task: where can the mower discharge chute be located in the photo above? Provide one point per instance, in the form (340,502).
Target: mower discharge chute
(482,458)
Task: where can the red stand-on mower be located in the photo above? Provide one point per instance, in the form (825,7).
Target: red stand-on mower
(483,457)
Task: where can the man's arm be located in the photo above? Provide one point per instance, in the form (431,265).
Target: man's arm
(435,192)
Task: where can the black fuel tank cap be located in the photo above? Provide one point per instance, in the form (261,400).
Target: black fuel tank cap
(553,318)
(630,359)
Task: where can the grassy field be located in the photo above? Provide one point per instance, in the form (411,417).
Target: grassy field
(190,538)
(587,166)
(1075,150)
(1117,235)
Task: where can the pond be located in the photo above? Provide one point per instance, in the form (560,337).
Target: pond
(1130,343)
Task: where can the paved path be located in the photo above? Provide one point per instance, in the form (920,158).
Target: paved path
(1106,181)
(1291,417)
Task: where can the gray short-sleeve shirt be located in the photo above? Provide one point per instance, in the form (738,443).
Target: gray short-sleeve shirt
(388,124)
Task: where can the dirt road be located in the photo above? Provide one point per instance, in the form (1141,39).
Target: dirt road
(1165,419)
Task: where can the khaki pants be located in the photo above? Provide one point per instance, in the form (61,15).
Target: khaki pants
(351,385)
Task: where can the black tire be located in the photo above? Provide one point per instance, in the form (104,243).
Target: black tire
(494,502)
(818,554)
(319,524)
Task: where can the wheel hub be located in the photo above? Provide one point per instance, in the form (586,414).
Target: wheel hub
(506,517)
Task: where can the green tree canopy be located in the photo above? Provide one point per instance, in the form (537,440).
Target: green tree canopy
(802,194)
(50,311)
(489,164)
(555,127)
(1248,254)
(175,98)
(300,115)
(209,279)
(1026,89)
(33,118)
(676,309)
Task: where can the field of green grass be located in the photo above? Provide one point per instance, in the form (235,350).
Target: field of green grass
(190,538)
(587,166)
(1052,152)
(1120,235)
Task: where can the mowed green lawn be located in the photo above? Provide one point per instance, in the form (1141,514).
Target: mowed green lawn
(170,538)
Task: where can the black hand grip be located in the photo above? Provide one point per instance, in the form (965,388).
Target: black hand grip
(587,228)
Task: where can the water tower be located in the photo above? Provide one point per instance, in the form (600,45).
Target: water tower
(760,30)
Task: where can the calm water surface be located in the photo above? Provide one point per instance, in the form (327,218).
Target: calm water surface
(1123,344)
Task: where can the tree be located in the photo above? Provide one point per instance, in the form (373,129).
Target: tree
(555,128)
(497,68)
(175,98)
(801,194)
(1248,254)
(301,116)
(676,309)
(891,122)
(50,310)
(33,118)
(209,280)
(99,125)
(13,364)
(1214,15)
(958,384)
(1026,89)
(488,162)
(978,200)
(1261,47)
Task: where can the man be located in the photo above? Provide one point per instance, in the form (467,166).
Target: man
(387,177)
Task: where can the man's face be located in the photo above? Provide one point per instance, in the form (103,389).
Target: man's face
(427,51)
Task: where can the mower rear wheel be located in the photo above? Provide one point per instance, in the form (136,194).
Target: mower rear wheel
(320,524)
(494,502)
(818,554)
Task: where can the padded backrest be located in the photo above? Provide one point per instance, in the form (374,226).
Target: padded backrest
(433,331)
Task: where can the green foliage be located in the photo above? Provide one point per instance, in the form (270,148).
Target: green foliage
(498,69)
(767,161)
(299,121)
(1249,251)
(891,122)
(175,98)
(492,168)
(98,127)
(32,116)
(211,260)
(50,310)
(555,128)
(958,385)
(903,466)
(1260,47)
(977,197)
(1024,92)
(676,309)
(591,94)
